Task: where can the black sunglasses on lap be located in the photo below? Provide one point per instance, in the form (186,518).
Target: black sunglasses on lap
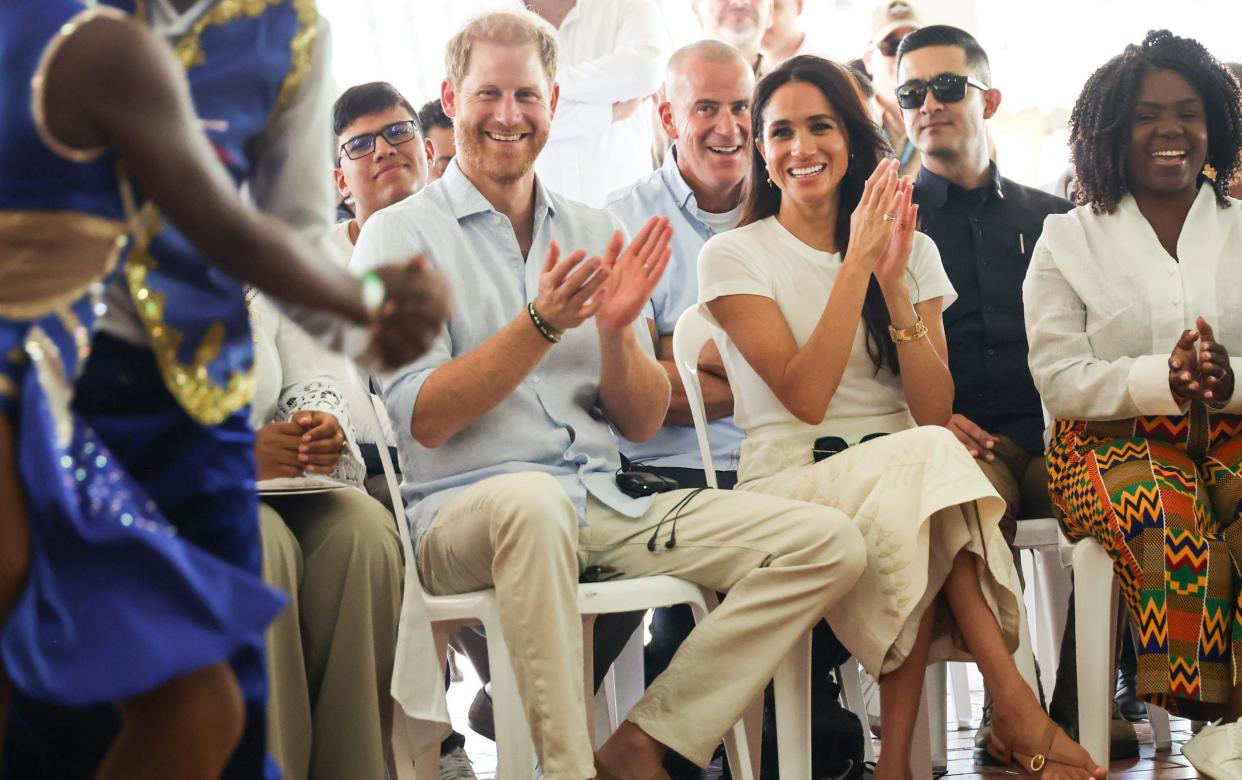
(947,87)
(395,134)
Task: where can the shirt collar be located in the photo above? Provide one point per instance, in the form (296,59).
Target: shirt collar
(935,189)
(465,200)
(674,181)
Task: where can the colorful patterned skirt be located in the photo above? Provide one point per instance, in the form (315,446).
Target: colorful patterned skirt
(1164,497)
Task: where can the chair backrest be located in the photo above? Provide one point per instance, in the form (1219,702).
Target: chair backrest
(373,412)
(690,334)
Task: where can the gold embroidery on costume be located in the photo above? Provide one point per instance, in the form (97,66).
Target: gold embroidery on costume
(201,397)
(38,110)
(45,356)
(53,258)
(300,50)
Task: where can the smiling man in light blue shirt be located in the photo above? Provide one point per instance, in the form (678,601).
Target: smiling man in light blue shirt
(700,188)
(503,432)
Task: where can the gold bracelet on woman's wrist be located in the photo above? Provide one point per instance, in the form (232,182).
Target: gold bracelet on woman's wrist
(905,335)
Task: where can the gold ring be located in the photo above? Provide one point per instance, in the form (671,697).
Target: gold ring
(889,218)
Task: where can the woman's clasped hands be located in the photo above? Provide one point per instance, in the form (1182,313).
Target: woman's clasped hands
(1200,372)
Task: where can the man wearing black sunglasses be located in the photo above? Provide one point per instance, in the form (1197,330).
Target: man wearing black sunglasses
(985,227)
(891,22)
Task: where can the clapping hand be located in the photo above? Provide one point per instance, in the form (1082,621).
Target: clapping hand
(1201,374)
(890,269)
(634,273)
(872,223)
(568,288)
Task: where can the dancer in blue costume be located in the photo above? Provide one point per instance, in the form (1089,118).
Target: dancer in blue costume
(136,591)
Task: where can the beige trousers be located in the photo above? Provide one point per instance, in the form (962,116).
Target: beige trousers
(918,499)
(782,562)
(1022,481)
(330,654)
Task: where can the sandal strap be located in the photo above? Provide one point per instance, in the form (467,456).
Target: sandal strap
(1040,760)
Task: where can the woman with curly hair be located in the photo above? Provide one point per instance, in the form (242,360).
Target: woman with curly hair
(1132,301)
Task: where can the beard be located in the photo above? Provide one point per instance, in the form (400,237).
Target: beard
(499,164)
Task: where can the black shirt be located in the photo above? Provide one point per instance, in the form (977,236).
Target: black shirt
(985,237)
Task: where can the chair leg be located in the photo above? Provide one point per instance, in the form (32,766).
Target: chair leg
(959,675)
(1095,605)
(935,691)
(792,687)
(515,754)
(630,676)
(1159,719)
(851,687)
(1025,655)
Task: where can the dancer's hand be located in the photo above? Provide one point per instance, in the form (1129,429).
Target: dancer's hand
(416,305)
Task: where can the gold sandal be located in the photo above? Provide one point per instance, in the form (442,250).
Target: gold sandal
(1034,766)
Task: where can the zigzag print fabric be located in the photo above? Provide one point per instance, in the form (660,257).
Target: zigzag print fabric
(1164,497)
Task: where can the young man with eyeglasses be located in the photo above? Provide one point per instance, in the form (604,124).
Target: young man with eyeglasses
(891,22)
(985,227)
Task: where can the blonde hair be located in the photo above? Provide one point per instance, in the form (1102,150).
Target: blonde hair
(511,27)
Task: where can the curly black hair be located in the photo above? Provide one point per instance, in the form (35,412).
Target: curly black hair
(1101,120)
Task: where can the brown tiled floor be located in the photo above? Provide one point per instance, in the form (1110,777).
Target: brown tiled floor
(1150,765)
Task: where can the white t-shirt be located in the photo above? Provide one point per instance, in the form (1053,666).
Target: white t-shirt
(763,258)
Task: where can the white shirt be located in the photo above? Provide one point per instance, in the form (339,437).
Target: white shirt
(292,373)
(356,398)
(763,258)
(1105,304)
(610,51)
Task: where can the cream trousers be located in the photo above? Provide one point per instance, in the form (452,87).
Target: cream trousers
(782,562)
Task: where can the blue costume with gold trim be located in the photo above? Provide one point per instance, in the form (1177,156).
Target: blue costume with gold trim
(142,508)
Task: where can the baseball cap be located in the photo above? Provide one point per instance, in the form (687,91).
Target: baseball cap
(893,15)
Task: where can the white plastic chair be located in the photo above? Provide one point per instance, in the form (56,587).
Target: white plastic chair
(792,683)
(1095,625)
(515,752)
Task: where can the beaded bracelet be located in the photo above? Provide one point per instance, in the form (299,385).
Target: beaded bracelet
(547,331)
(905,335)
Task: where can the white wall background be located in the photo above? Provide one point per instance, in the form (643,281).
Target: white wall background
(1041,51)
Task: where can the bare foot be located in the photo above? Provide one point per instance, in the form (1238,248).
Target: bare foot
(630,754)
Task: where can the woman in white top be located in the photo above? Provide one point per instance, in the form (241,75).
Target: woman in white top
(337,553)
(1131,300)
(807,292)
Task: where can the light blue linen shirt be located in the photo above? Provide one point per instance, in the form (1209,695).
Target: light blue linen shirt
(666,193)
(552,423)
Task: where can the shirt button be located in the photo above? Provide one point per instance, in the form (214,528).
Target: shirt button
(1176,301)
(535,379)
(991,351)
(989,309)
